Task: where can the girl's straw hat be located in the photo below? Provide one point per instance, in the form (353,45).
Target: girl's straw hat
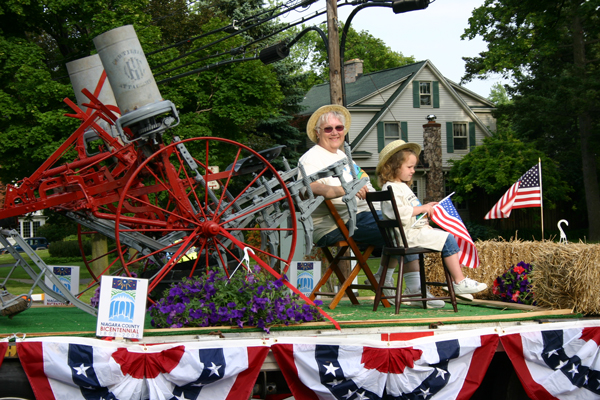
(312,122)
(392,149)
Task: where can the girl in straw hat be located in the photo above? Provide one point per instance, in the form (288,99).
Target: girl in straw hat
(327,127)
(395,169)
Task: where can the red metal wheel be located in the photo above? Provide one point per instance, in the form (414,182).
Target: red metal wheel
(187,221)
(112,254)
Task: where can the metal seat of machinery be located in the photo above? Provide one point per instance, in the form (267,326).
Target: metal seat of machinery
(144,113)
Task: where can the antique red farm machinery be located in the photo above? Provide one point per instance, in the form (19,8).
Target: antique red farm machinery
(172,207)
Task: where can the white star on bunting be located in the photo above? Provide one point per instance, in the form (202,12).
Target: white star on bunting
(214,369)
(330,368)
(81,370)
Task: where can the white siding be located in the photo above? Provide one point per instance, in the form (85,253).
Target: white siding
(487,118)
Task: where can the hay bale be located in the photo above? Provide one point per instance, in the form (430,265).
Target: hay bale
(565,276)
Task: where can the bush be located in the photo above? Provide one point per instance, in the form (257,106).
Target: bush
(69,249)
(481,232)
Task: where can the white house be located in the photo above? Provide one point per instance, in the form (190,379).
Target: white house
(393,104)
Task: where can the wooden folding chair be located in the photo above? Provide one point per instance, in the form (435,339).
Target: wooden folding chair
(346,284)
(397,245)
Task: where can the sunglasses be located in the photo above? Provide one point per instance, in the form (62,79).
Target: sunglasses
(329,129)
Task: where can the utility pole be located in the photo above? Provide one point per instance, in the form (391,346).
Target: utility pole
(335,78)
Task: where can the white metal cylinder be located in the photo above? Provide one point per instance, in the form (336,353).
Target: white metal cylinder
(127,68)
(85,74)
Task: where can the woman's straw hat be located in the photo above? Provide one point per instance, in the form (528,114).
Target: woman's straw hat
(312,122)
(392,149)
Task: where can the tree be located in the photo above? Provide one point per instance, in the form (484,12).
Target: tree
(37,39)
(498,94)
(550,49)
(376,55)
(499,162)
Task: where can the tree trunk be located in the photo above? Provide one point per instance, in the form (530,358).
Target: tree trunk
(588,160)
(99,248)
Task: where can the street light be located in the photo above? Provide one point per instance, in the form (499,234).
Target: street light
(281,50)
(402,6)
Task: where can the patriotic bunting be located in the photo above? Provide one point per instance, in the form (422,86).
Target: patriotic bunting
(558,362)
(74,368)
(3,349)
(427,368)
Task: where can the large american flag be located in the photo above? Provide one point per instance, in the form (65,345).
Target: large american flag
(445,215)
(526,192)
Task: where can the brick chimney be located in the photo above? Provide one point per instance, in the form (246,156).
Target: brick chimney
(352,70)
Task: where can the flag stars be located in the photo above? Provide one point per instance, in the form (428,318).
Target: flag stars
(361,396)
(181,397)
(424,393)
(553,352)
(441,372)
(348,395)
(81,370)
(330,368)
(214,369)
(585,380)
(573,370)
(561,364)
(335,382)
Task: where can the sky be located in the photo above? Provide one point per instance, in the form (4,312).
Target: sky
(431,34)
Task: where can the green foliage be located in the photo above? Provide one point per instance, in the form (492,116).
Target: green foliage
(481,232)
(240,101)
(69,249)
(498,163)
(376,55)
(57,227)
(55,232)
(550,49)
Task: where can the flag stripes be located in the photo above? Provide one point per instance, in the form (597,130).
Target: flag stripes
(445,215)
(526,192)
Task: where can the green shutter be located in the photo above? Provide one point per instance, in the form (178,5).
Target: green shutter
(436,94)
(380,137)
(472,143)
(449,137)
(404,132)
(416,95)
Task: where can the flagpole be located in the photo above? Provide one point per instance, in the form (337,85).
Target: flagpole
(541,195)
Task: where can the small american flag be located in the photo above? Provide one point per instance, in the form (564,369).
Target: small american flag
(445,215)
(526,192)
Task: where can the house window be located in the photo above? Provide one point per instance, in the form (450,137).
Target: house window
(461,139)
(425,94)
(415,187)
(26,229)
(391,132)
(36,226)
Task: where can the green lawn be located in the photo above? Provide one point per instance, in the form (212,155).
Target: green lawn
(15,286)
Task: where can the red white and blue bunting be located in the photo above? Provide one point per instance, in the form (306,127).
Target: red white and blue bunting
(553,361)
